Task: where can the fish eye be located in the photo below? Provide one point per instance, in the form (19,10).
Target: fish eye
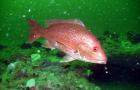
(34,35)
(94,49)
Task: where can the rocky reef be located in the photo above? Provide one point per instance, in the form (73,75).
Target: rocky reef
(32,67)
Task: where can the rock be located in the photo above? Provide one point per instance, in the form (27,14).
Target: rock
(112,35)
(26,46)
(35,59)
(36,44)
(133,37)
(30,83)
(12,66)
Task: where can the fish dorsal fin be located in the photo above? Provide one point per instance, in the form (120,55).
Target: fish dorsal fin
(57,21)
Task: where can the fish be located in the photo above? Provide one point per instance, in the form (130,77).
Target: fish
(71,37)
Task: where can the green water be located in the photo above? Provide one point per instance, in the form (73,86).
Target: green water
(119,16)
(98,16)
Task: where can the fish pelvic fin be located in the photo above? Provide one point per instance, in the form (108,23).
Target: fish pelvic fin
(67,58)
(35,32)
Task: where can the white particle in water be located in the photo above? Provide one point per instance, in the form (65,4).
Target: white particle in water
(38,51)
(106,72)
(52,1)
(105,68)
(137,63)
(23,16)
(114,32)
(31,2)
(7,34)
(65,12)
(10,14)
(29,10)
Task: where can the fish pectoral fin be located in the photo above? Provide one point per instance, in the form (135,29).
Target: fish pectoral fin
(62,47)
(67,58)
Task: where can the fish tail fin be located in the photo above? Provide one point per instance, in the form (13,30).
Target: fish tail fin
(35,32)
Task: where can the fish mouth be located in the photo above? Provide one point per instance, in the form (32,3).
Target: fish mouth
(96,61)
(101,59)
(100,62)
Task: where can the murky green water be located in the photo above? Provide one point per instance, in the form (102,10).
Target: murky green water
(115,22)
(116,16)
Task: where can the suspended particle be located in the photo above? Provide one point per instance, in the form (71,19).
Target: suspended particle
(65,12)
(7,34)
(29,10)
(10,14)
(23,16)
(31,2)
(137,63)
(52,1)
(106,72)
(105,68)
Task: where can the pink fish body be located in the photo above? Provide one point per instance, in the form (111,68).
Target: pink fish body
(71,37)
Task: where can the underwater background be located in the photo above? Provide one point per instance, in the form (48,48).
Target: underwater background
(116,23)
